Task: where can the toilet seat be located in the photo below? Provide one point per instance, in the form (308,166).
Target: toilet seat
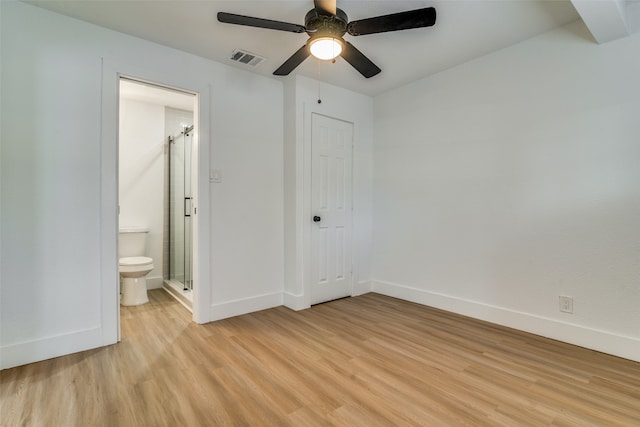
(135,260)
(135,263)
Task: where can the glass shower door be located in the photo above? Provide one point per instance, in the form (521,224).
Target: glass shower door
(180,210)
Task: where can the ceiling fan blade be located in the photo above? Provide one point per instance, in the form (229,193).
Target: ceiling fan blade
(293,61)
(249,21)
(358,61)
(326,6)
(396,21)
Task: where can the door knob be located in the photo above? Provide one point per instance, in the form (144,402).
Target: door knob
(316,218)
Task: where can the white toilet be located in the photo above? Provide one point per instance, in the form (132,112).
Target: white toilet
(134,266)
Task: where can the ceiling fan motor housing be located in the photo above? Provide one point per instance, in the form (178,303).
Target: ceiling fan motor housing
(325,30)
(319,24)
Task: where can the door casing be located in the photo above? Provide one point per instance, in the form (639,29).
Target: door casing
(171,76)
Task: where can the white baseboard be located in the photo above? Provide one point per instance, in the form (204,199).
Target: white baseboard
(47,348)
(361,287)
(295,302)
(154,282)
(299,302)
(244,306)
(605,342)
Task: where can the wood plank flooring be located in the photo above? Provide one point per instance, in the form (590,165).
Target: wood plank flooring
(364,361)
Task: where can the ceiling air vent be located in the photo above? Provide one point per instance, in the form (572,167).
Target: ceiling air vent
(244,57)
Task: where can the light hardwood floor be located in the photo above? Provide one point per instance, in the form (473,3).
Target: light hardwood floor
(364,361)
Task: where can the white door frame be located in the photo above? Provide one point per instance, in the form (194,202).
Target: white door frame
(307,214)
(171,76)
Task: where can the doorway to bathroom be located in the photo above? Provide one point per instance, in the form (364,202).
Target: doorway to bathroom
(156,159)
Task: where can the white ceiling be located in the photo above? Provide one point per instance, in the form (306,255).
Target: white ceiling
(464,30)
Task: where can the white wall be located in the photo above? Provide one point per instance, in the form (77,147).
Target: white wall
(301,101)
(247,228)
(141,172)
(53,190)
(513,179)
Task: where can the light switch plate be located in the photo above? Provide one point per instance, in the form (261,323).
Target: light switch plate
(215,175)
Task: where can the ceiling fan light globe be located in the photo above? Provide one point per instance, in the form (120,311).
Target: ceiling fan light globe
(326,48)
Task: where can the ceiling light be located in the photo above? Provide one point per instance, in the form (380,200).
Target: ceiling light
(326,47)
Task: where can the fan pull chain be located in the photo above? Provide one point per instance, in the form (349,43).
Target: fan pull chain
(318,69)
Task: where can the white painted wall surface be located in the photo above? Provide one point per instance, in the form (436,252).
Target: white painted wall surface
(141,172)
(247,205)
(513,179)
(50,291)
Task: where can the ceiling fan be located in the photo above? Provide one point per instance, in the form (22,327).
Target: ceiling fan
(326,24)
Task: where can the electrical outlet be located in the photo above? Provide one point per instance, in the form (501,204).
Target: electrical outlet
(566,304)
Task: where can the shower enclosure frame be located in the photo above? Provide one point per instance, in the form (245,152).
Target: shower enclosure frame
(179,207)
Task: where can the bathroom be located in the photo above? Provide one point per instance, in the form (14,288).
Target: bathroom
(155,141)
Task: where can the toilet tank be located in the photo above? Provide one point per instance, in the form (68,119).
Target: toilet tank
(132,241)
